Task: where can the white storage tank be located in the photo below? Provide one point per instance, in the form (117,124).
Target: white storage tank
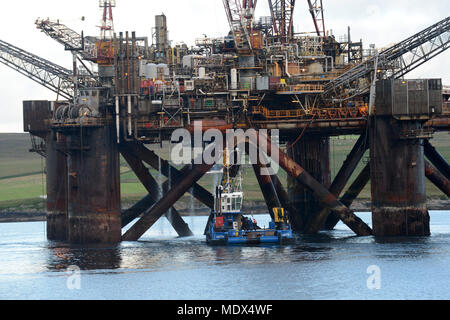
(151,71)
(234,79)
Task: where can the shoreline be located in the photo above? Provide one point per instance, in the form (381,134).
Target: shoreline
(254,207)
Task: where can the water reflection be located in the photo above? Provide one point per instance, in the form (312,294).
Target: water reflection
(176,254)
(161,249)
(93,257)
(163,266)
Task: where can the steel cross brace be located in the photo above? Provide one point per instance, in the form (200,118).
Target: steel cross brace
(154,191)
(343,176)
(168,199)
(321,193)
(154,160)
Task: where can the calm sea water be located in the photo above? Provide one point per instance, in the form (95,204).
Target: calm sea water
(331,265)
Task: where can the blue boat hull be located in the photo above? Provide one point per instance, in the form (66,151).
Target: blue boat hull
(250,238)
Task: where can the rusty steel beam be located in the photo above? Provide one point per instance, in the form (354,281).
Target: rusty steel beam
(152,159)
(169,198)
(136,210)
(437,178)
(438,124)
(349,165)
(266,184)
(312,152)
(279,192)
(294,215)
(267,189)
(352,193)
(153,189)
(276,196)
(344,174)
(357,186)
(141,206)
(436,159)
(321,193)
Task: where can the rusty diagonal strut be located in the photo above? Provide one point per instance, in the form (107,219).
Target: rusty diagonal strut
(173,195)
(152,159)
(153,189)
(321,193)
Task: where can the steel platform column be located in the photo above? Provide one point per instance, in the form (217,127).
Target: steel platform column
(56,166)
(313,154)
(94,186)
(397,179)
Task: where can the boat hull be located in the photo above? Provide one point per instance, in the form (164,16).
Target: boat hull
(250,238)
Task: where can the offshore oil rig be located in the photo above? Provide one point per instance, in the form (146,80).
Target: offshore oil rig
(126,91)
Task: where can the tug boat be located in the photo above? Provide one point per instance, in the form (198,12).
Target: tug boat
(227,223)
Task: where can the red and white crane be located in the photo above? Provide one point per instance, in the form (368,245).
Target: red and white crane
(316,10)
(282,12)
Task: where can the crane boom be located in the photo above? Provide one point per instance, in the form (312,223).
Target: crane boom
(70,39)
(394,62)
(316,10)
(282,12)
(44,72)
(240,17)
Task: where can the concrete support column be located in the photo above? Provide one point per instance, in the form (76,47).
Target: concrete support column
(312,152)
(397,178)
(56,167)
(94,186)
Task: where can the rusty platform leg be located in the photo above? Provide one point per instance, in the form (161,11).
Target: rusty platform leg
(397,179)
(56,166)
(312,152)
(94,186)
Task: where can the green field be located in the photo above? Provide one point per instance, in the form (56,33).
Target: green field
(22,174)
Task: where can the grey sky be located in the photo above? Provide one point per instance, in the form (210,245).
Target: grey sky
(380,22)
